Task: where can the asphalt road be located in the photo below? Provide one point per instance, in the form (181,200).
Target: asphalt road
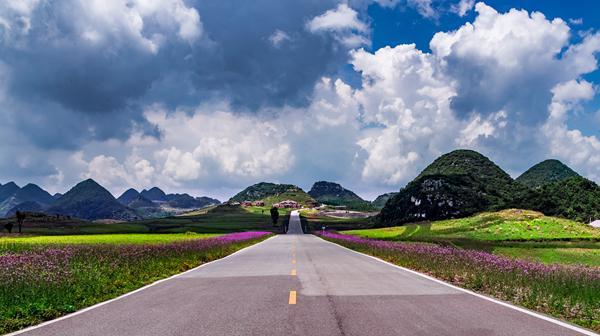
(298,284)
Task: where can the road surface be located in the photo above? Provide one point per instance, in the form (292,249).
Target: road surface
(299,284)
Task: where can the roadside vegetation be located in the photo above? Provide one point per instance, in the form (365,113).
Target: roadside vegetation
(51,276)
(568,292)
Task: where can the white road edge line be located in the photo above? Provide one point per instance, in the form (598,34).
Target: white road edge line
(97,305)
(481,296)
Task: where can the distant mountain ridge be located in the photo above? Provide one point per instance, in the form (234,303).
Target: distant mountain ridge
(545,172)
(89,200)
(154,194)
(164,204)
(129,196)
(30,197)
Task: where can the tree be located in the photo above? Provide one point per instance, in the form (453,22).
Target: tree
(20,218)
(9,226)
(274,215)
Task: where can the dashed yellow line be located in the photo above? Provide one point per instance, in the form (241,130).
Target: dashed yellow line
(293,272)
(292,300)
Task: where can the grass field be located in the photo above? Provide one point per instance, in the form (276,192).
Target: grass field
(221,219)
(589,256)
(55,279)
(514,233)
(490,226)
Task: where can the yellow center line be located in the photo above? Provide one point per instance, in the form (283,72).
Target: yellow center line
(293,261)
(293,272)
(292,298)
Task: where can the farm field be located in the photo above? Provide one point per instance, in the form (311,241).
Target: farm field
(46,277)
(18,243)
(220,219)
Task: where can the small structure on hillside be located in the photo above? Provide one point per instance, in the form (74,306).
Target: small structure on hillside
(246,203)
(288,204)
(596,223)
(259,203)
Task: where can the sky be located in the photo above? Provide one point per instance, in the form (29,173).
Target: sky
(208,97)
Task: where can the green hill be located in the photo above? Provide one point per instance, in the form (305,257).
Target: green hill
(89,200)
(380,201)
(456,184)
(331,193)
(576,198)
(262,190)
(547,171)
(294,195)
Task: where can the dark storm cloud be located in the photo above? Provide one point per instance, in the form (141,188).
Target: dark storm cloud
(68,91)
(248,68)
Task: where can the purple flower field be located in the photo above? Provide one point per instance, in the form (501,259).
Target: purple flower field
(47,282)
(568,292)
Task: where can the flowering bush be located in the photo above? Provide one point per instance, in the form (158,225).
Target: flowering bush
(44,283)
(569,292)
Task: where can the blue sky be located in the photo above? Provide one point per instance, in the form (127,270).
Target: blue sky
(399,25)
(208,97)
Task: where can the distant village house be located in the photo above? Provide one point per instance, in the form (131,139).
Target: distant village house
(288,204)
